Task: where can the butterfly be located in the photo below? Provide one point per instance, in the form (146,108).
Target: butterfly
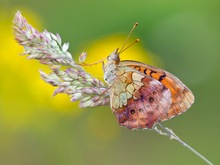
(142,95)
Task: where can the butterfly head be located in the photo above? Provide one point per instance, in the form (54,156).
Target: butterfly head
(114,57)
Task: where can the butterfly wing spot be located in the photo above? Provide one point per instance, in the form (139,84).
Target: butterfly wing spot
(151,99)
(132,111)
(140,110)
(138,68)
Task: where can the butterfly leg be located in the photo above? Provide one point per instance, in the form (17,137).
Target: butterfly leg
(95,63)
(103,93)
(103,66)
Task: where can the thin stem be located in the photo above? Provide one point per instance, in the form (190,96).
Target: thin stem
(172,135)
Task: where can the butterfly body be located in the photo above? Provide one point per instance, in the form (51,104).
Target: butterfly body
(142,95)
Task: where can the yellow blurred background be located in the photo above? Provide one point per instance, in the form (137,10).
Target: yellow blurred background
(182,37)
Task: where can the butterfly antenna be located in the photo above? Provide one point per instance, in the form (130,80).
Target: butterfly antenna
(137,40)
(126,40)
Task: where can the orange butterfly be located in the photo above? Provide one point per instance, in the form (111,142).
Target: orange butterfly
(142,95)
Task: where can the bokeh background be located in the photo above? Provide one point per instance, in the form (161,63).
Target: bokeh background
(181,36)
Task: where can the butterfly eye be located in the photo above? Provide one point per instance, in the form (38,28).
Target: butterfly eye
(132,111)
(151,99)
(154,92)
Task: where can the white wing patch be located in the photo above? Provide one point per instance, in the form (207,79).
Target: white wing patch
(124,89)
(130,88)
(137,77)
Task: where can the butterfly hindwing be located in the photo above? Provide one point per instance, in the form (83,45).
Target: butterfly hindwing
(138,101)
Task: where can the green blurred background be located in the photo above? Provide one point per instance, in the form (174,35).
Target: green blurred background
(182,36)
